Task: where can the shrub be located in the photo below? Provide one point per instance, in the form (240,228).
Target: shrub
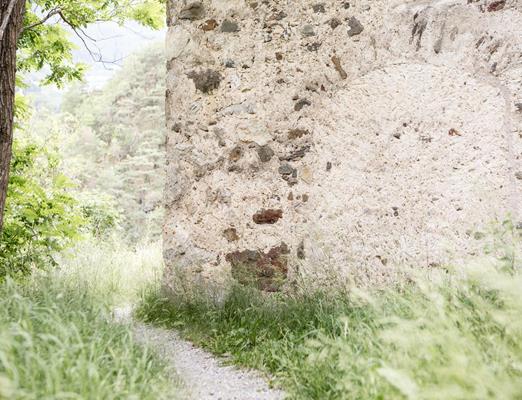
(101,213)
(41,216)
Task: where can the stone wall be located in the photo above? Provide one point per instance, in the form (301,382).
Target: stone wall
(355,134)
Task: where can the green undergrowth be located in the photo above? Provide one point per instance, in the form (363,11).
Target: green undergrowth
(446,336)
(58,339)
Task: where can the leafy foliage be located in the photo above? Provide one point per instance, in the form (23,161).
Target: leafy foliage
(102,213)
(41,216)
(111,143)
(45,45)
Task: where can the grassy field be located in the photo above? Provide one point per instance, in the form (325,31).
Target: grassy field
(449,336)
(57,336)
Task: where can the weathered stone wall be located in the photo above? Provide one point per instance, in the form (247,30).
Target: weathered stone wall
(355,134)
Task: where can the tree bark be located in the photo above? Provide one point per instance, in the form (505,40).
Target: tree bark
(11,23)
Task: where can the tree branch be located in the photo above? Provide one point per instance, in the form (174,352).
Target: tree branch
(51,13)
(96,56)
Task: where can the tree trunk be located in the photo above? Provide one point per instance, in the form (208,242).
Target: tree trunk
(11,22)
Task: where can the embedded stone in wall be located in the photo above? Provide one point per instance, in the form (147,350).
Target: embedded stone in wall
(300,104)
(339,67)
(297,133)
(209,25)
(235,154)
(231,234)
(356,27)
(496,5)
(265,153)
(334,23)
(301,251)
(296,155)
(266,271)
(193,11)
(307,31)
(205,80)
(319,8)
(288,173)
(229,26)
(267,216)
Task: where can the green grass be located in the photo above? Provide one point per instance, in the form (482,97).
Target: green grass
(58,339)
(452,336)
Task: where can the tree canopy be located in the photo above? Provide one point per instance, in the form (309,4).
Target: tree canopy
(35,35)
(46,43)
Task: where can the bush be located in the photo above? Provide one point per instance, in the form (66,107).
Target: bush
(101,213)
(41,216)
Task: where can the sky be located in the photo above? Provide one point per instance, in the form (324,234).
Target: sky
(114,43)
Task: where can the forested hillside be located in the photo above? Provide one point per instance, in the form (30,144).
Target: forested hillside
(111,142)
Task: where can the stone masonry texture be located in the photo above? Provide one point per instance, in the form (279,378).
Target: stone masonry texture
(359,135)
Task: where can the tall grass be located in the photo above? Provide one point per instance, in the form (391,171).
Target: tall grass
(110,270)
(58,339)
(447,336)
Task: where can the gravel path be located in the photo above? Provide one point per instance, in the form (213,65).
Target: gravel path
(203,376)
